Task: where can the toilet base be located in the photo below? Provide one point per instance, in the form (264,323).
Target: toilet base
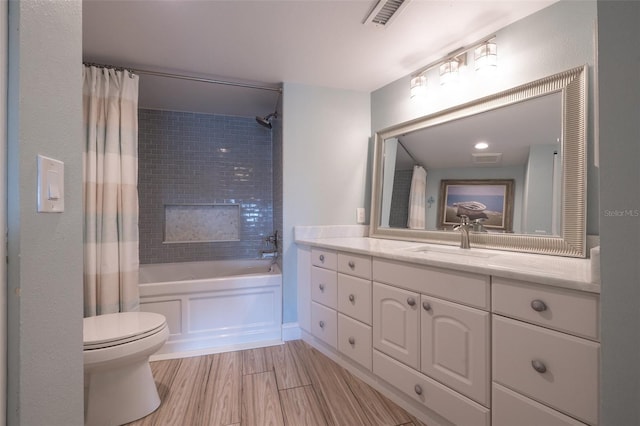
(119,395)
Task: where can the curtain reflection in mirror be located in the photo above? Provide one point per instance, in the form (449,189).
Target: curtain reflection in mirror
(417,199)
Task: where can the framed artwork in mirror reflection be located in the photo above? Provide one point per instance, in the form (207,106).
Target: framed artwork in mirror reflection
(485,201)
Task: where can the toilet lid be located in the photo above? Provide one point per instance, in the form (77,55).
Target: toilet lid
(115,329)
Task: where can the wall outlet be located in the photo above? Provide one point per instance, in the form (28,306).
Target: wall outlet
(360,215)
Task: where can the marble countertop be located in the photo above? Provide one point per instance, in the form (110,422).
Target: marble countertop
(549,270)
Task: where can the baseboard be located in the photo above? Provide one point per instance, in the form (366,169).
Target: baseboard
(291,331)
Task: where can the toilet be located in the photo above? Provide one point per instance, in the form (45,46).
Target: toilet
(118,384)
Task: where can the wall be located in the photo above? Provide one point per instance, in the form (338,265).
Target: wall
(619,103)
(45,377)
(191,158)
(552,40)
(325,158)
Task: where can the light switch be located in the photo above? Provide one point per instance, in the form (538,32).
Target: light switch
(50,185)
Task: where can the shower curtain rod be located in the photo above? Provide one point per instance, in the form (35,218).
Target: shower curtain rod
(189,78)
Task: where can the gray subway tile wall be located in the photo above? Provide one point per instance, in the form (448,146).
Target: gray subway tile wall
(399,214)
(193,158)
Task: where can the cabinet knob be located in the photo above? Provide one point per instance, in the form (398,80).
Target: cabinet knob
(322,258)
(411,301)
(321,324)
(418,389)
(538,305)
(426,306)
(539,366)
(321,286)
(352,264)
(352,340)
(351,298)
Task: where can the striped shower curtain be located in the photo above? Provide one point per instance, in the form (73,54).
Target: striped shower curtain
(417,196)
(110,166)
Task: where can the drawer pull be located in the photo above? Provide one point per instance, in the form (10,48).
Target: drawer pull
(352,341)
(352,298)
(322,258)
(411,301)
(418,389)
(321,286)
(321,324)
(538,305)
(426,306)
(352,264)
(539,366)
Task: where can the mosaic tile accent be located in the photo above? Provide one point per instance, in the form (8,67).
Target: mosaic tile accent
(192,158)
(201,223)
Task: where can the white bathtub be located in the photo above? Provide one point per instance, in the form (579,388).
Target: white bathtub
(214,306)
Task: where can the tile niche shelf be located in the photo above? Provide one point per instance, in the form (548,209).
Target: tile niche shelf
(201,223)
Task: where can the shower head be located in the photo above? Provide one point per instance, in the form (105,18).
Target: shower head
(266,120)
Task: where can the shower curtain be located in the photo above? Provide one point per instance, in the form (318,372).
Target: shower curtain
(110,167)
(417,195)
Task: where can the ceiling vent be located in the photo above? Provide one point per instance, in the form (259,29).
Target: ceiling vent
(487,158)
(384,12)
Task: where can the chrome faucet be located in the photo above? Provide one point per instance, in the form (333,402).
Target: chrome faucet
(272,253)
(464,228)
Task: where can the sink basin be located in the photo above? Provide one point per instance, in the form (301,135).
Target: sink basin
(450,250)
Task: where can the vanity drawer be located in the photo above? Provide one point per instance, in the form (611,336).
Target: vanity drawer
(565,376)
(324,286)
(511,408)
(324,258)
(354,340)
(462,287)
(354,264)
(456,408)
(324,324)
(354,297)
(569,311)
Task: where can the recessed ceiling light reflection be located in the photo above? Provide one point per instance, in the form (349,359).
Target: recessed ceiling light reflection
(481,145)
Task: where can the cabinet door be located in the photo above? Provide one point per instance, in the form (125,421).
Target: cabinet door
(396,323)
(455,347)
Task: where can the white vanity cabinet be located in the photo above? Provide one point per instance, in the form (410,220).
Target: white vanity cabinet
(324,296)
(457,347)
(341,303)
(542,363)
(434,350)
(354,308)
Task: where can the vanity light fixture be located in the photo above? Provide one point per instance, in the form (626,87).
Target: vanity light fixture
(418,84)
(449,68)
(486,55)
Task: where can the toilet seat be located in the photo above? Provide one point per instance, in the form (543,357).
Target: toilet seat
(109,330)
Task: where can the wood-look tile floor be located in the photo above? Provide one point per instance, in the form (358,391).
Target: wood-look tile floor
(291,384)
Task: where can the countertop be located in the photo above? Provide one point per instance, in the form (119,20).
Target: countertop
(555,271)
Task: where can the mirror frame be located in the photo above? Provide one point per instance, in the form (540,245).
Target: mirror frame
(572,242)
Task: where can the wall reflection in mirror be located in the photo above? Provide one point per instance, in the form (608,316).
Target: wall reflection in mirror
(522,145)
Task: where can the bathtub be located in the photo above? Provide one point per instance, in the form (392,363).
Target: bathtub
(214,306)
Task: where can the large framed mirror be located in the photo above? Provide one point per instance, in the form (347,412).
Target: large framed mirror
(525,192)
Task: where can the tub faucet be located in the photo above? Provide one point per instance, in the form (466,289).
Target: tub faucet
(272,239)
(464,231)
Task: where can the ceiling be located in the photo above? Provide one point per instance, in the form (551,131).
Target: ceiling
(319,43)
